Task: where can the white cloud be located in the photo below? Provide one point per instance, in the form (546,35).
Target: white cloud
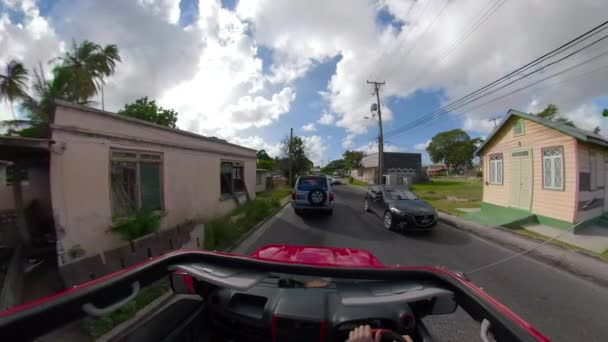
(258,143)
(317,30)
(314,147)
(479,125)
(349,141)
(309,127)
(326,119)
(422,146)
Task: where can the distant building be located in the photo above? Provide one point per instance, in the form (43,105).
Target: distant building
(399,168)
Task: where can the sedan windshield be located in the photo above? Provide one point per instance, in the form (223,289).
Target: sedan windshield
(400,194)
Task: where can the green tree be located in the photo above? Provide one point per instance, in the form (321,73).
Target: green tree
(13,83)
(264,161)
(551,112)
(605,112)
(454,148)
(352,159)
(147,110)
(301,163)
(334,166)
(85,67)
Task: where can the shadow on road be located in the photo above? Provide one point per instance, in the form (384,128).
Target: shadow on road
(441,235)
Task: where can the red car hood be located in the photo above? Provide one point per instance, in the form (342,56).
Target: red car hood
(318,256)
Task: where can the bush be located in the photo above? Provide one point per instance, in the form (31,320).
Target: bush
(143,222)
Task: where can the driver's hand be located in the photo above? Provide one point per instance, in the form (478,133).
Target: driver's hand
(363,334)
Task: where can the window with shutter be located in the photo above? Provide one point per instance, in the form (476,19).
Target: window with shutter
(593,171)
(553,168)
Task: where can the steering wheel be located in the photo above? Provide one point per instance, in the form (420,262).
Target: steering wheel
(387,335)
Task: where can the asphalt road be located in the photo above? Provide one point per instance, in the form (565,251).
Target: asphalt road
(562,306)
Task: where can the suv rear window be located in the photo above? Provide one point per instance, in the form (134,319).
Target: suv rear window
(306,184)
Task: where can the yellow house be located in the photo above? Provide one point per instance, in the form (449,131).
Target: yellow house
(553,171)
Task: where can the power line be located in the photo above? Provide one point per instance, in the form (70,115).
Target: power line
(504,78)
(537,61)
(514,91)
(466,33)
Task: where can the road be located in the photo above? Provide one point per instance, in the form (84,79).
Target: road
(562,306)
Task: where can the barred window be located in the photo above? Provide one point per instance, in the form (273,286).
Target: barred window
(496,169)
(553,168)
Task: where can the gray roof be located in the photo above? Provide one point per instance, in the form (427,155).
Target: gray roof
(578,133)
(400,160)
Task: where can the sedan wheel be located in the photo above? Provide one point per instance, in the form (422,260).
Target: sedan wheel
(388,220)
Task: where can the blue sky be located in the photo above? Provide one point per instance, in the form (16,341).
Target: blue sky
(250,71)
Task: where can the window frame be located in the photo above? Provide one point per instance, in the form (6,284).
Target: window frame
(519,121)
(234,175)
(138,160)
(502,168)
(563,172)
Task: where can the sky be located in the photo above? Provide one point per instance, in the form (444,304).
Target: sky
(248,71)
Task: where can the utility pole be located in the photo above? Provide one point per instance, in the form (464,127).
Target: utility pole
(494,119)
(291,158)
(380,136)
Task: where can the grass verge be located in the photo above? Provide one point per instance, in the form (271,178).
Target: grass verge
(447,194)
(223,231)
(558,243)
(356,182)
(96,327)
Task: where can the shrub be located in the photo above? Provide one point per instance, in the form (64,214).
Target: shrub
(143,222)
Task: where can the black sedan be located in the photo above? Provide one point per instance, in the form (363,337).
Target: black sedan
(400,208)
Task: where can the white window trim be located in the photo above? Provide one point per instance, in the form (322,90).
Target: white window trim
(561,155)
(496,170)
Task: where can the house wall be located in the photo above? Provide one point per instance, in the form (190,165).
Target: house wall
(263,184)
(80,175)
(590,202)
(551,203)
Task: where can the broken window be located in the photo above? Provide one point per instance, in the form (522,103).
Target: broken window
(231,178)
(135,181)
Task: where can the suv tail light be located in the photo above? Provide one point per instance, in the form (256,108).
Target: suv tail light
(293,195)
(331,196)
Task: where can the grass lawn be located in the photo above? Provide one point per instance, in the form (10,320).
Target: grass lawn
(356,182)
(223,231)
(448,193)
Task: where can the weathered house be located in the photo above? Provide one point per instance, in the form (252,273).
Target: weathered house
(399,168)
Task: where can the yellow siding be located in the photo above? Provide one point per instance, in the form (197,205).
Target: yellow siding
(551,203)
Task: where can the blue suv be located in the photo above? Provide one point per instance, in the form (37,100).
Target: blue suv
(312,193)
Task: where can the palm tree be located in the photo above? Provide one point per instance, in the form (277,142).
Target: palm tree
(13,83)
(85,67)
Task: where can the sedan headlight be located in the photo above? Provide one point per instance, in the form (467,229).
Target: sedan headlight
(396,211)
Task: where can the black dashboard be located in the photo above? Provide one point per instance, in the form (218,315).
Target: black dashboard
(281,309)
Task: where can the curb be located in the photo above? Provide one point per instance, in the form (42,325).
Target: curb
(574,262)
(257,226)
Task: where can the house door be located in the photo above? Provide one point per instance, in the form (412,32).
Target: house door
(521,179)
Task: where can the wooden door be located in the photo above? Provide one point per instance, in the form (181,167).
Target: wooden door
(521,179)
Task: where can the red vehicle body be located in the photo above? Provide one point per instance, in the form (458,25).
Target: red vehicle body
(36,318)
